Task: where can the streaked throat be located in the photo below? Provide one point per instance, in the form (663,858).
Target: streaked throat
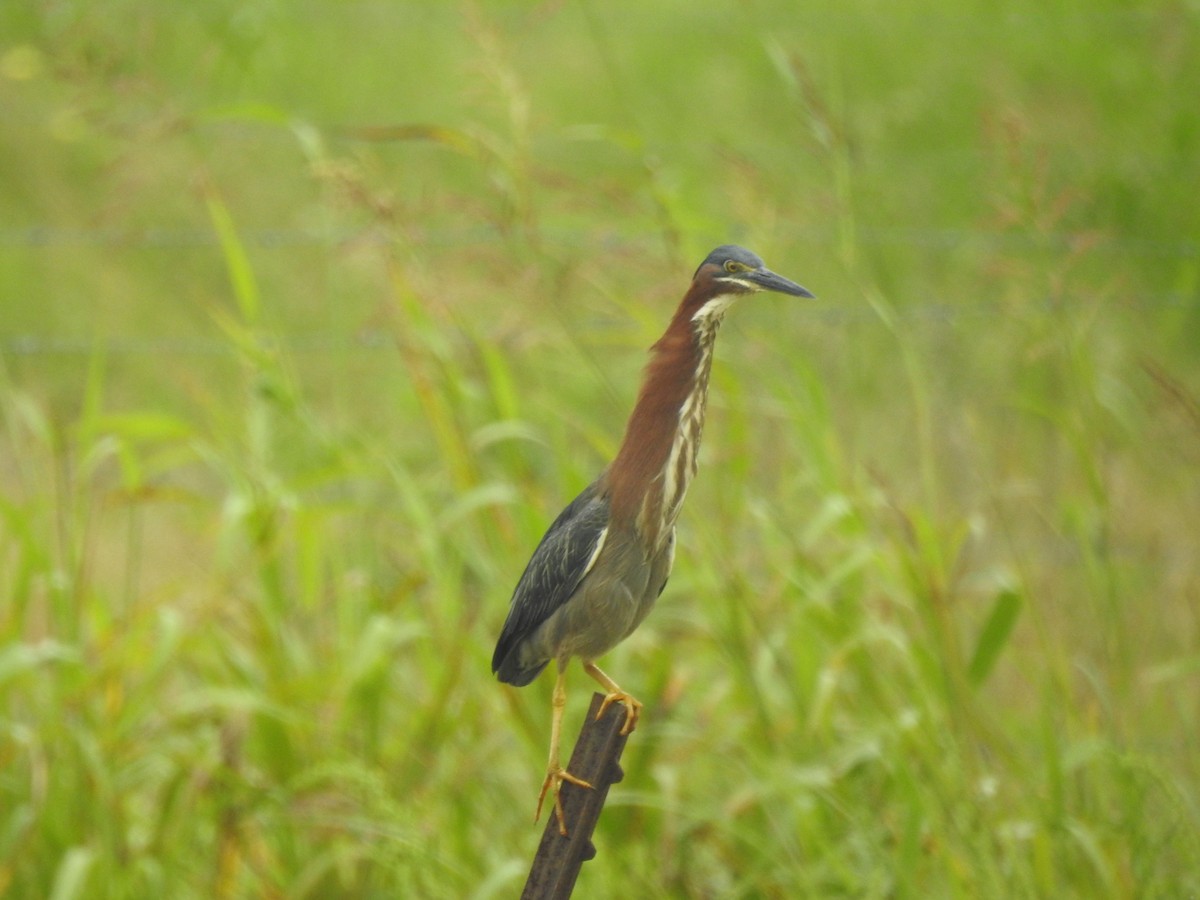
(661,507)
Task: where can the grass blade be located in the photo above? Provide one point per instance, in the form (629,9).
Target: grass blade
(995,634)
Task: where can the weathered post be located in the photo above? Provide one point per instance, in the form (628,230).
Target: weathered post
(596,760)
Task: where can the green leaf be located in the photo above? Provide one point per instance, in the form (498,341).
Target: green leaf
(144,426)
(71,878)
(18,659)
(241,274)
(994,636)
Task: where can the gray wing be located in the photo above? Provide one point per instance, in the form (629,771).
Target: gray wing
(555,570)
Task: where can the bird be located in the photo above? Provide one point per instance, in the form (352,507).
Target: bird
(606,558)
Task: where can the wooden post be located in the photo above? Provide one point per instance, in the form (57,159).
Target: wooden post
(596,760)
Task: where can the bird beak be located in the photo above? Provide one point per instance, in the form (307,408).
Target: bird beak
(767,280)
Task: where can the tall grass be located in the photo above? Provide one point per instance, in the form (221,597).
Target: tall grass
(313,322)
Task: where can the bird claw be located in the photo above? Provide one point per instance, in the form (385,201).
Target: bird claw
(555,776)
(633,709)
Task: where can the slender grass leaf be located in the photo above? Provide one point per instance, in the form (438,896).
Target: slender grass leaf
(241,274)
(71,878)
(1173,670)
(995,634)
(18,659)
(145,426)
(505,431)
(260,113)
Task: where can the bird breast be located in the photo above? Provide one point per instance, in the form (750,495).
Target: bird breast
(617,594)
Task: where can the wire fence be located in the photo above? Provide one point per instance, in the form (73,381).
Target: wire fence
(159,237)
(182,238)
(54,345)
(921,315)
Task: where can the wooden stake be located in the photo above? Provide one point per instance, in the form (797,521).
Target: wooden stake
(595,759)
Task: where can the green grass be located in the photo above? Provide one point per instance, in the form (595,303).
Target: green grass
(314,316)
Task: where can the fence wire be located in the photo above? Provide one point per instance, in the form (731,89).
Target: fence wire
(33,238)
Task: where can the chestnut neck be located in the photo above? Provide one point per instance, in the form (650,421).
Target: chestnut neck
(649,477)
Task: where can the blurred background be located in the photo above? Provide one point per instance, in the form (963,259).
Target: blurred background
(314,314)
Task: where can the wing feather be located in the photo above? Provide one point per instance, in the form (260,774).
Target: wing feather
(565,555)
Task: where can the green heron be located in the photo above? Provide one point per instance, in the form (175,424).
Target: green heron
(606,558)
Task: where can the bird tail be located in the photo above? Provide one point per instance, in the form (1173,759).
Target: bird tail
(512,669)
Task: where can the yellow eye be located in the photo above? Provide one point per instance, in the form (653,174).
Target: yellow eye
(732,265)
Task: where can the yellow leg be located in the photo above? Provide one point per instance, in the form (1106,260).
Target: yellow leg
(555,773)
(633,708)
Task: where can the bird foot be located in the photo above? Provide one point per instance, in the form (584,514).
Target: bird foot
(633,709)
(555,776)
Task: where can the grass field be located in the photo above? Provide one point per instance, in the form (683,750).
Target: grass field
(314,315)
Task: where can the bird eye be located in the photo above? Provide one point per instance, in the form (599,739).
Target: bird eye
(732,265)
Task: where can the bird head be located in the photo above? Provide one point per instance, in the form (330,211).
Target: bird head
(735,270)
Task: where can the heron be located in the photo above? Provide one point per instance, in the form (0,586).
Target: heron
(606,558)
